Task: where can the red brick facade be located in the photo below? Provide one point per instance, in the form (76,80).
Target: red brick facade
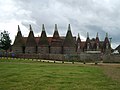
(58,44)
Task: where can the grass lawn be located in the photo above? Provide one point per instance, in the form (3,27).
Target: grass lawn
(33,75)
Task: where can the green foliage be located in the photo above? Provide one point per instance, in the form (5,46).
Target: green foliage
(31,75)
(5,41)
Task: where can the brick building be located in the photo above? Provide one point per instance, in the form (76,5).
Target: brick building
(57,44)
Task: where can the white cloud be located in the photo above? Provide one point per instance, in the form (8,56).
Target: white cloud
(84,16)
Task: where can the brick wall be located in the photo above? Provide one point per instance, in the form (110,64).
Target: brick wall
(55,50)
(43,50)
(111,58)
(31,50)
(17,49)
(90,57)
(69,50)
(74,57)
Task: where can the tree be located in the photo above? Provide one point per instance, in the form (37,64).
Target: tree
(5,41)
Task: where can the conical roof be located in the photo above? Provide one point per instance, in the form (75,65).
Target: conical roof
(56,34)
(97,38)
(43,39)
(97,42)
(106,42)
(31,39)
(106,39)
(69,42)
(88,39)
(56,40)
(18,39)
(78,39)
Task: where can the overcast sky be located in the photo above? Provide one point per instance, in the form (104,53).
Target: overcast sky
(84,16)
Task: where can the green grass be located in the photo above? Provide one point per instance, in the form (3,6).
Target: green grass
(33,75)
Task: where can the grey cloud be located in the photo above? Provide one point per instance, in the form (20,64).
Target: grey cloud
(84,16)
